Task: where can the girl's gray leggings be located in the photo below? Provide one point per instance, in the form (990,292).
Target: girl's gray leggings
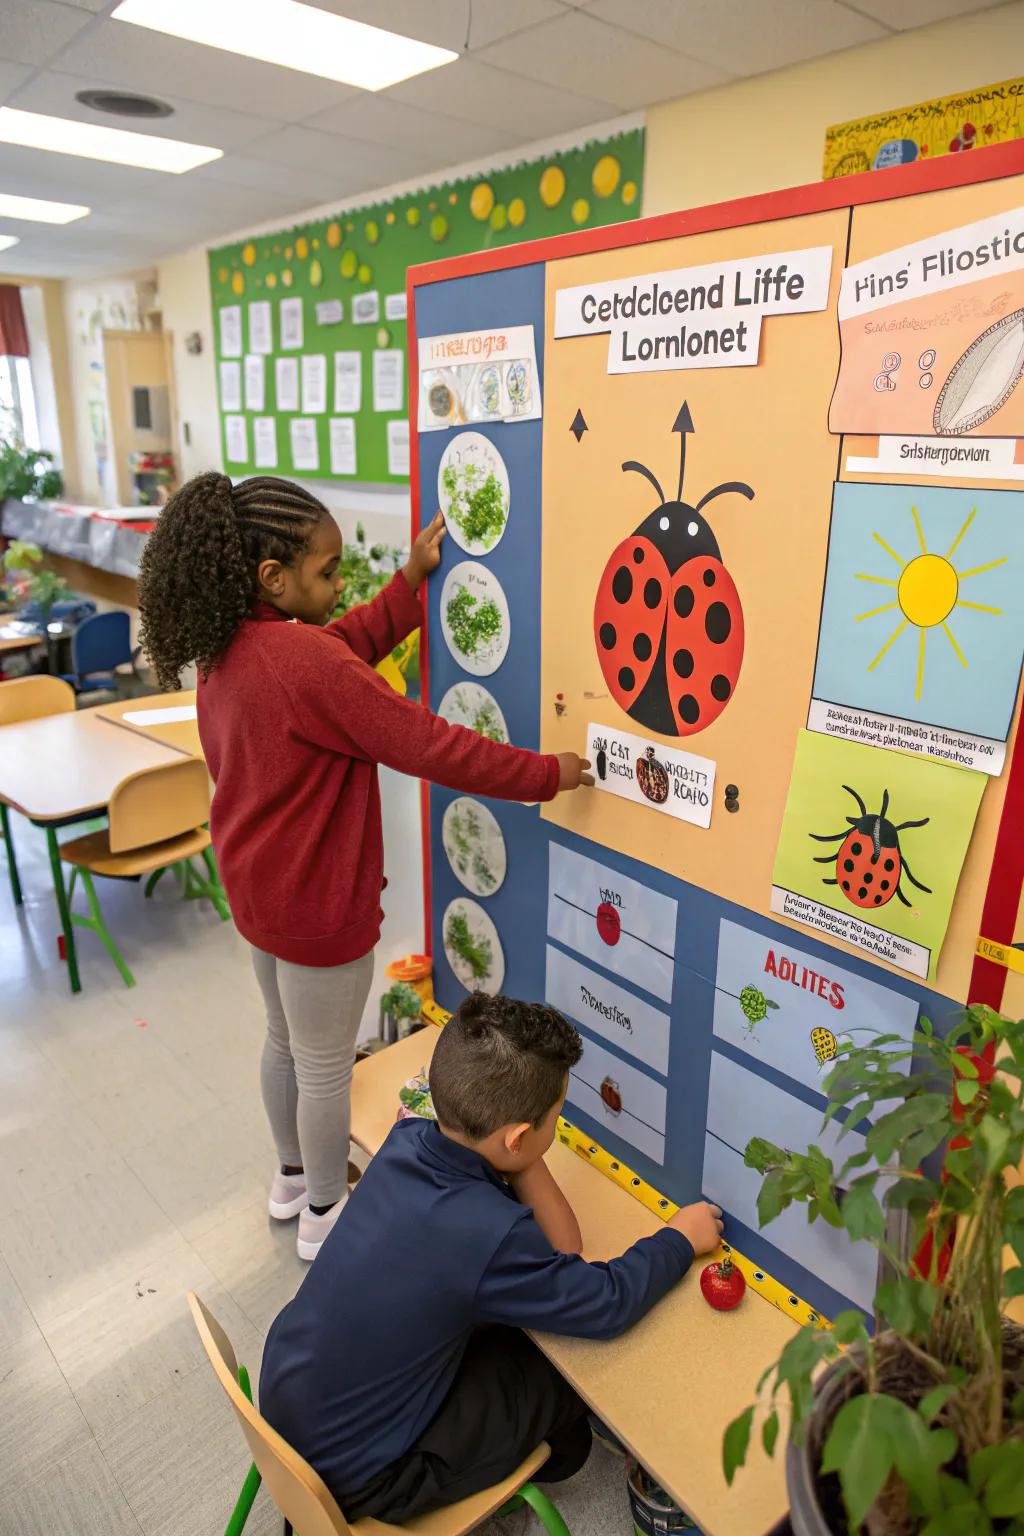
(313,1017)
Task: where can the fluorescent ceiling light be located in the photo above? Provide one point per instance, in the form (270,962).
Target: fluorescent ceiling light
(293,35)
(39,211)
(6,241)
(67,136)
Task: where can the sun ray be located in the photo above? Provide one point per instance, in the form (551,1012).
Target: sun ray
(920,662)
(885,608)
(889,551)
(979,607)
(963,575)
(920,530)
(961,658)
(881,581)
(970,519)
(892,638)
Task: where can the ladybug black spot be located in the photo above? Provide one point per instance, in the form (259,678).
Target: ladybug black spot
(622,585)
(709,578)
(638,556)
(683,663)
(720,688)
(652,593)
(718,623)
(889,864)
(848,866)
(885,885)
(878,901)
(642,647)
(868,877)
(684,602)
(608,636)
(627,679)
(846,885)
(861,893)
(855,848)
(689,709)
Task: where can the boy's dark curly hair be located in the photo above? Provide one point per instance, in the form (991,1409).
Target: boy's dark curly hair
(500,1062)
(197,578)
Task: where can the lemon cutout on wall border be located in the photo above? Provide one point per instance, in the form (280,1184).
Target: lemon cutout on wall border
(517,212)
(302,248)
(629,191)
(580,210)
(348,263)
(412,217)
(222,275)
(271,279)
(438,227)
(316,245)
(286,277)
(552,186)
(238,283)
(316,273)
(481,200)
(606,176)
(249,254)
(333,235)
(499,216)
(372,231)
(389,217)
(365,273)
(288,253)
(383,337)
(453,198)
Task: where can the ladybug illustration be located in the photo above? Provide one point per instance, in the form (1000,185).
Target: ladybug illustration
(652,778)
(869,864)
(668,622)
(612,1096)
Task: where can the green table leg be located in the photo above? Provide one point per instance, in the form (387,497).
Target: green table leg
(63,909)
(12,862)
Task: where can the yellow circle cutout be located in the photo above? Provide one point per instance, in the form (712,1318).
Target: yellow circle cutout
(481,200)
(552,186)
(499,216)
(348,263)
(517,212)
(316,245)
(372,231)
(629,191)
(316,273)
(412,217)
(580,210)
(249,254)
(333,234)
(286,277)
(383,337)
(438,227)
(365,273)
(288,253)
(238,283)
(222,275)
(606,176)
(927,590)
(453,198)
(302,247)
(271,279)
(389,217)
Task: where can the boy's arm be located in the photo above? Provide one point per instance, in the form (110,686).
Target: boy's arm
(554,1215)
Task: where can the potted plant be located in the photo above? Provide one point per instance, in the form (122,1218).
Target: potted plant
(917,1426)
(29,583)
(27,474)
(400,1006)
(366,571)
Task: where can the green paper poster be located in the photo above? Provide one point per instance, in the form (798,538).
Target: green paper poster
(871,848)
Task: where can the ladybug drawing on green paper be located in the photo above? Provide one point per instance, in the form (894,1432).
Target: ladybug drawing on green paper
(870,863)
(668,622)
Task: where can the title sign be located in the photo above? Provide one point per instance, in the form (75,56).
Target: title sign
(695,317)
(991,248)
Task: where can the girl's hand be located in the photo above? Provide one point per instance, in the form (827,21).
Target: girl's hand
(425,555)
(572,771)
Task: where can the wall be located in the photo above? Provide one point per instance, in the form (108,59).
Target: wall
(183,296)
(769,132)
(111,303)
(51,375)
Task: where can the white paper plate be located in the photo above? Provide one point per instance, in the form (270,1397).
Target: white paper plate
(469,461)
(474,706)
(475,846)
(472,947)
(475,618)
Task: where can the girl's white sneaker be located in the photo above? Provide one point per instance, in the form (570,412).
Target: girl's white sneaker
(314,1230)
(288,1195)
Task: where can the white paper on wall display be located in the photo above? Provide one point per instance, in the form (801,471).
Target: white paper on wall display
(264,436)
(891,732)
(478,376)
(291,325)
(395,306)
(365,308)
(695,317)
(314,383)
(901,952)
(612,919)
(330,312)
(286,383)
(620,1097)
(607,1009)
(236,440)
(348,382)
(343,445)
(949,259)
(231,331)
(389,379)
(261,329)
(678,783)
(780,1005)
(398,447)
(305,450)
(231,386)
(254,383)
(968,458)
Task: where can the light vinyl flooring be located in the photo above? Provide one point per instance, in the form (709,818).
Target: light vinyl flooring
(134,1164)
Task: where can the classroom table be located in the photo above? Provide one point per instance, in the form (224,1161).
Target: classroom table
(63,769)
(669,1386)
(14,638)
(168,718)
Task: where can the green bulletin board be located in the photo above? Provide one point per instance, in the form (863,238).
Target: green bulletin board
(347,273)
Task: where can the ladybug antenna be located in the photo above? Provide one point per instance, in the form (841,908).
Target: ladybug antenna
(885,802)
(720,490)
(641,469)
(904,824)
(860,802)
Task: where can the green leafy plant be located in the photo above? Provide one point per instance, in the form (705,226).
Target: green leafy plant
(367,569)
(476,503)
(27,473)
(30,581)
(402,1001)
(474,622)
(474,952)
(928,1437)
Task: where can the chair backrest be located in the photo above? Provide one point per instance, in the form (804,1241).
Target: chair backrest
(29,698)
(101,643)
(158,803)
(299,1493)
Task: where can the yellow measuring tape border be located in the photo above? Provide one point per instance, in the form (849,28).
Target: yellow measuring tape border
(572,1137)
(1001,954)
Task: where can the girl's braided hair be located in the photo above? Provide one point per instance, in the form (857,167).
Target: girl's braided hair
(197,578)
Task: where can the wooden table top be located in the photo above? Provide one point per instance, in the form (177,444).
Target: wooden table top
(12,639)
(69,765)
(670,1385)
(182,735)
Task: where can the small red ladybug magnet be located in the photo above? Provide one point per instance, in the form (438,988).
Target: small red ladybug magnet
(611,1095)
(722,1285)
(609,924)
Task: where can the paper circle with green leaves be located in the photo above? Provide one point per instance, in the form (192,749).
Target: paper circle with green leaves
(473,492)
(475,619)
(472,947)
(475,846)
(472,705)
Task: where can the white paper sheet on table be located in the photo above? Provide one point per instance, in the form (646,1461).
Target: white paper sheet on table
(343,445)
(261,333)
(348,382)
(305,449)
(314,383)
(286,376)
(231,386)
(169,716)
(255,370)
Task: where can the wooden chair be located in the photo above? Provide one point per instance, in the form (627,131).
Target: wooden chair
(157,821)
(28,698)
(303,1497)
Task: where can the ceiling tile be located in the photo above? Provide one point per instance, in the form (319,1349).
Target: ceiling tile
(69,178)
(11,76)
(746,37)
(32,31)
(313,184)
(137,59)
(580,53)
(904,15)
(444,22)
(380,119)
(525,108)
(362,165)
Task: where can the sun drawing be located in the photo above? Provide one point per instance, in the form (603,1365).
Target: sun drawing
(927,592)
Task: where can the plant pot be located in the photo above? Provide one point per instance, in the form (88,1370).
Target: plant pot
(805,1512)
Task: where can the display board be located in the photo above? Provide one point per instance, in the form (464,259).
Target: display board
(753,542)
(309,322)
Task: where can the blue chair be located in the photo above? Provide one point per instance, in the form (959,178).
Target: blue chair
(98,646)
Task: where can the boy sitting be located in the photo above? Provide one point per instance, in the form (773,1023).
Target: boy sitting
(399,1370)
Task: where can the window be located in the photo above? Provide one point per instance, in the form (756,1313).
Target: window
(18,418)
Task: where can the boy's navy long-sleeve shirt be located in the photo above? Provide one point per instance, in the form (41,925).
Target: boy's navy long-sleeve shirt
(431,1245)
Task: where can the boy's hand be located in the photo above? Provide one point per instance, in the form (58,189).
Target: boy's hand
(425,555)
(700,1224)
(572,771)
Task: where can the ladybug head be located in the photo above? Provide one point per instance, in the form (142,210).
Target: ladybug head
(883,833)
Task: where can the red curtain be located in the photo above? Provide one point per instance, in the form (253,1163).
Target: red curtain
(13,335)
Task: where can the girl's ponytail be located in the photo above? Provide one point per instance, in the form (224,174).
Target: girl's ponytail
(197,579)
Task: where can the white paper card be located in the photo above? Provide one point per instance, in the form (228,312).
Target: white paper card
(291,324)
(968,458)
(343,445)
(900,952)
(254,383)
(601,1081)
(261,333)
(286,383)
(395,306)
(236,439)
(231,386)
(676,783)
(314,382)
(264,435)
(389,380)
(348,382)
(231,331)
(612,919)
(329,312)
(983,753)
(169,716)
(305,450)
(398,447)
(366,309)
(607,1009)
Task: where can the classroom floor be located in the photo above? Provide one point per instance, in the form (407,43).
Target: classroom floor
(134,1161)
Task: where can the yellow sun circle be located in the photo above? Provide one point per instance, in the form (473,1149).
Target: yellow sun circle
(249,254)
(271,279)
(316,273)
(927,590)
(302,247)
(286,277)
(481,200)
(238,283)
(517,212)
(580,210)
(412,217)
(552,186)
(606,176)
(334,234)
(365,273)
(453,198)
(629,191)
(372,231)
(499,216)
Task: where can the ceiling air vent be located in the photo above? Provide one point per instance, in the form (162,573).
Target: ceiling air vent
(124,104)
